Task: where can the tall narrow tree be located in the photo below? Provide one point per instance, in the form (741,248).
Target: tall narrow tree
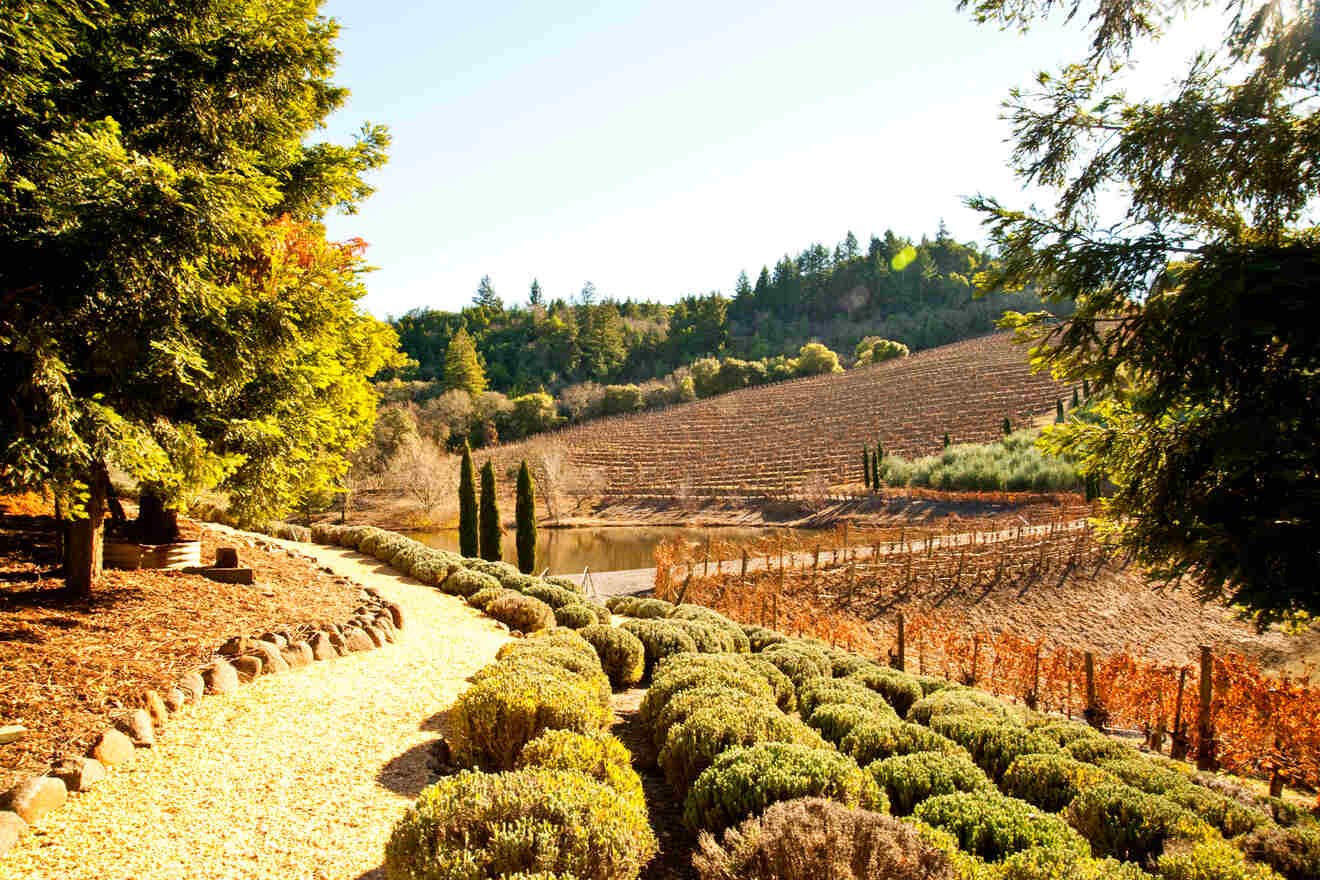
(866,467)
(462,367)
(467,506)
(875,469)
(492,537)
(525,514)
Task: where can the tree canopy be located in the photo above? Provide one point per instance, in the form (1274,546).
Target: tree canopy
(170,301)
(1196,302)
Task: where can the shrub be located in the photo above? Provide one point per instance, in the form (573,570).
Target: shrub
(559,637)
(761,638)
(659,639)
(648,609)
(1292,852)
(899,689)
(475,825)
(496,569)
(844,663)
(492,720)
(700,614)
(603,758)
(1288,813)
(1051,781)
(992,826)
(815,838)
(693,745)
(819,691)
(1145,775)
(671,680)
(324,533)
(551,658)
(709,639)
(1209,860)
(550,594)
(784,694)
(620,652)
(1128,824)
(350,536)
(1224,813)
(743,782)
(685,703)
(520,582)
(908,780)
(1065,732)
(521,613)
(574,616)
(834,721)
(874,741)
(993,745)
(1093,750)
(799,665)
(617,604)
(957,701)
(466,582)
(1042,863)
(483,597)
(556,580)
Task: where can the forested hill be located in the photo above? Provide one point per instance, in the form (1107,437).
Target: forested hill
(917,293)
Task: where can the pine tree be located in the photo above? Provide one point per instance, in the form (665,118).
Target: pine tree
(525,514)
(462,368)
(467,506)
(492,537)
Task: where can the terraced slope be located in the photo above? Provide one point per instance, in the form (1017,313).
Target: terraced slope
(776,439)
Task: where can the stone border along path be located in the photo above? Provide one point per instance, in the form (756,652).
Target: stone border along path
(636,581)
(298,776)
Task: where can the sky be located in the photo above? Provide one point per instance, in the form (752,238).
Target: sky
(657,149)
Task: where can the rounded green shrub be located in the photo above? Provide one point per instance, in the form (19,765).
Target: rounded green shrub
(648,609)
(733,633)
(930,684)
(708,638)
(819,691)
(574,616)
(521,613)
(844,663)
(552,595)
(620,652)
(1093,750)
(799,665)
(761,638)
(908,780)
(1209,860)
(834,721)
(1289,813)
(686,702)
(874,741)
(1043,863)
(693,745)
(566,583)
(549,658)
(1063,732)
(899,689)
(497,570)
(603,758)
(1229,816)
(673,679)
(1292,852)
(477,825)
(992,826)
(957,701)
(1051,781)
(465,582)
(618,604)
(784,692)
(559,637)
(1131,825)
(483,597)
(993,744)
(1146,775)
(659,639)
(743,782)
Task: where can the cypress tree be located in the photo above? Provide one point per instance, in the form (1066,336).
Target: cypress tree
(1008,426)
(866,467)
(1058,409)
(875,469)
(1076,402)
(467,506)
(879,451)
(947,441)
(491,537)
(525,514)
(1086,388)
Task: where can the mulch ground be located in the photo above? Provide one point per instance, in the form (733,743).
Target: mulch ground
(67,661)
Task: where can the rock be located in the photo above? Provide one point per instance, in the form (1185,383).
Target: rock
(78,773)
(386,628)
(113,749)
(275,639)
(323,648)
(297,655)
(33,798)
(193,685)
(175,699)
(396,614)
(248,666)
(357,640)
(236,646)
(220,678)
(377,638)
(12,733)
(337,639)
(137,724)
(272,662)
(156,708)
(12,827)
(373,593)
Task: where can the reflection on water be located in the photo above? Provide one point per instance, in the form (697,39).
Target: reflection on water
(568,551)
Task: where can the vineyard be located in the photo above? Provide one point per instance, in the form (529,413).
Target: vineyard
(1017,613)
(796,435)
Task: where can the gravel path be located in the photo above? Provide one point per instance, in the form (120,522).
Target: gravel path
(300,775)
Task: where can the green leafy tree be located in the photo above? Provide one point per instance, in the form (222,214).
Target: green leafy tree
(462,366)
(492,534)
(815,359)
(1195,308)
(469,544)
(171,304)
(874,350)
(525,514)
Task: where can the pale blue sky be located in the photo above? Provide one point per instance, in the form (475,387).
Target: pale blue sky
(658,148)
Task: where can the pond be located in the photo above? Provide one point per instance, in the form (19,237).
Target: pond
(609,548)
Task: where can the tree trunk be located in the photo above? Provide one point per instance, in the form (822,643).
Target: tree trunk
(156,523)
(83,553)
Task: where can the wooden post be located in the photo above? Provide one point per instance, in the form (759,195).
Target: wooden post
(1091,714)
(1178,741)
(852,582)
(706,568)
(1205,742)
(976,654)
(1033,698)
(900,659)
(744,564)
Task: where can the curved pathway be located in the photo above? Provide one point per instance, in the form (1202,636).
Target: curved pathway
(300,775)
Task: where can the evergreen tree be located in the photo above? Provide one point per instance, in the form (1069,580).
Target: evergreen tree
(879,451)
(1058,410)
(534,296)
(947,441)
(875,470)
(462,368)
(492,536)
(1075,402)
(1008,426)
(468,544)
(525,513)
(486,298)
(866,467)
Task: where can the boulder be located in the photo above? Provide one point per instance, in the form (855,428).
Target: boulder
(193,685)
(373,593)
(298,654)
(156,708)
(323,648)
(78,773)
(12,827)
(386,628)
(357,640)
(235,646)
(33,798)
(248,666)
(272,661)
(113,748)
(175,699)
(220,678)
(137,724)
(377,638)
(275,639)
(337,639)
(396,614)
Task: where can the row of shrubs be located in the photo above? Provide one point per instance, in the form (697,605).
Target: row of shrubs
(549,794)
